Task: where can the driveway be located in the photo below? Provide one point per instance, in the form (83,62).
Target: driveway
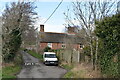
(33,68)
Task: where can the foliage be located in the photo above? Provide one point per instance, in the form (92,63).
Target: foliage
(39,56)
(47,49)
(76,74)
(10,70)
(30,38)
(67,66)
(13,45)
(70,74)
(94,10)
(108,30)
(17,19)
(87,51)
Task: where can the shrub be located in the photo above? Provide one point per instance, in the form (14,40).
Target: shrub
(47,49)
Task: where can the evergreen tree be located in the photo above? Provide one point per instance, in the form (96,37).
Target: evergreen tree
(108,30)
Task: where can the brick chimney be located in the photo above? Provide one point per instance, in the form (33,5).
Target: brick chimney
(71,30)
(41,28)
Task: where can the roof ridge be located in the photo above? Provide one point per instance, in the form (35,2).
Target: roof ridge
(55,32)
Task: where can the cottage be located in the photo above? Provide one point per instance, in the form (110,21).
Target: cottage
(59,40)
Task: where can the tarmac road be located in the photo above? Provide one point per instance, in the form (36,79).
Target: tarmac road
(33,68)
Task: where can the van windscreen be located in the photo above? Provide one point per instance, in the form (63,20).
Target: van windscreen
(50,55)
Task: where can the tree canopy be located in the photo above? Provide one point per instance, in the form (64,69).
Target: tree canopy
(18,18)
(108,31)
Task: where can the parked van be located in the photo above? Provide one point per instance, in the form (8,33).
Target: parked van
(50,58)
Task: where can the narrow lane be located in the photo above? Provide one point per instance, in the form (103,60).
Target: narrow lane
(32,68)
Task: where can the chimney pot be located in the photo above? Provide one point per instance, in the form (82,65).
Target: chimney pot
(71,30)
(41,28)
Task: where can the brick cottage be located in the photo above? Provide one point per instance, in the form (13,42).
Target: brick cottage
(60,40)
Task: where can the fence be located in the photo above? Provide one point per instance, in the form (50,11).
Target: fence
(71,56)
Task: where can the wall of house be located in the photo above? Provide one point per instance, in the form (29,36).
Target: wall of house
(43,45)
(74,46)
(71,30)
(54,45)
(58,46)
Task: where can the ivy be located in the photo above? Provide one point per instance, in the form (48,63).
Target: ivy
(108,31)
(14,44)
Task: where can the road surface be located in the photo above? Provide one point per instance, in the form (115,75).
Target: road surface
(32,68)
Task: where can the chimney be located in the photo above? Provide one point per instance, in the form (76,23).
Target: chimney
(41,28)
(118,7)
(71,30)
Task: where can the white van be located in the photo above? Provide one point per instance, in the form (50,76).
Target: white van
(50,58)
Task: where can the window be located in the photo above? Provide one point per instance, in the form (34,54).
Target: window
(49,45)
(50,56)
(63,46)
(81,46)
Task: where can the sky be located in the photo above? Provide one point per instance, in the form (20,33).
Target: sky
(44,10)
(55,23)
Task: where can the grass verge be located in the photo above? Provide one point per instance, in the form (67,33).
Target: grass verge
(68,67)
(36,55)
(73,72)
(69,74)
(9,70)
(82,71)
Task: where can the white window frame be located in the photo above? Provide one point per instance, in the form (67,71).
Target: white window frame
(49,45)
(81,46)
(63,45)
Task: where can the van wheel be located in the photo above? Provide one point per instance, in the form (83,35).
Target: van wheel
(56,65)
(45,63)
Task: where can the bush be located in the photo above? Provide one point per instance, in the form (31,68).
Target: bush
(10,70)
(47,49)
(36,55)
(11,47)
(9,57)
(108,31)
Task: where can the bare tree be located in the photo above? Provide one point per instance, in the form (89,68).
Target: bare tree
(19,16)
(68,50)
(86,13)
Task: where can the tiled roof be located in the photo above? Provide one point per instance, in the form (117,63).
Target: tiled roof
(50,37)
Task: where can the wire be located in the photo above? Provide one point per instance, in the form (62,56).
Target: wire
(53,11)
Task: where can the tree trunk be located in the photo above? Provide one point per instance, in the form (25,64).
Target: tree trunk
(96,54)
(78,56)
(119,64)
(91,51)
(72,56)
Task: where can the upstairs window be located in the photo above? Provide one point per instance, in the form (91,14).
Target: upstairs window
(63,46)
(81,46)
(49,45)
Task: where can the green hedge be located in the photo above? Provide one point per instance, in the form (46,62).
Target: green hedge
(10,71)
(36,55)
